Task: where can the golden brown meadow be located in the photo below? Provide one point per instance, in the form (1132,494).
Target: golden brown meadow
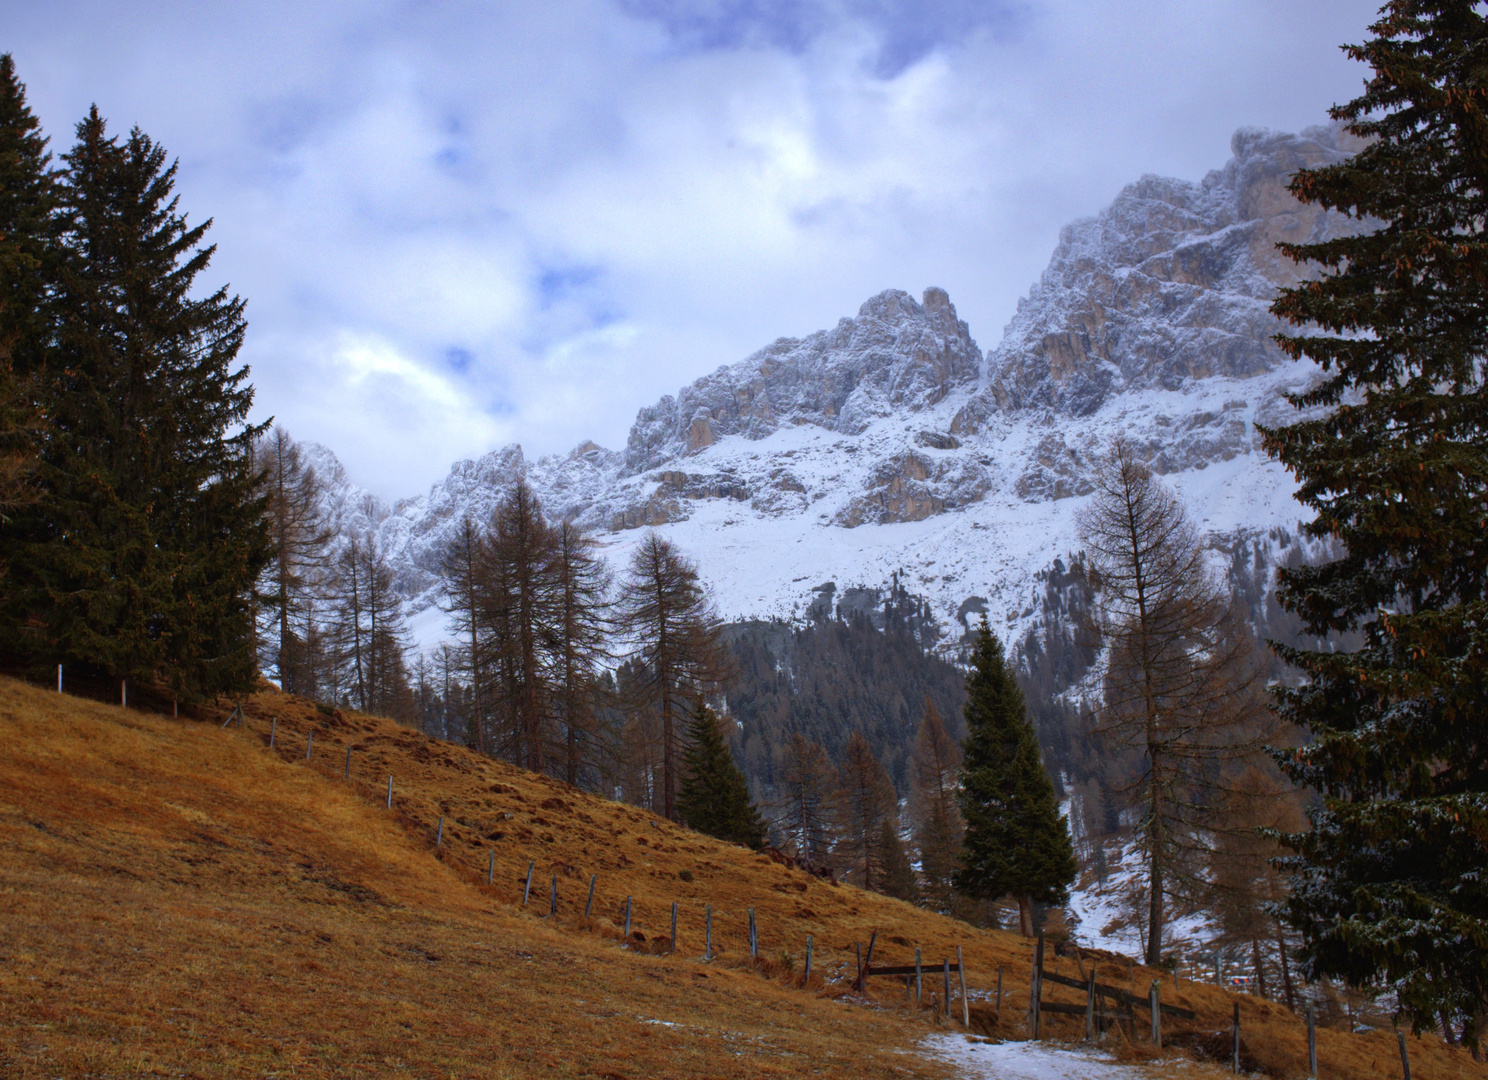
(179,899)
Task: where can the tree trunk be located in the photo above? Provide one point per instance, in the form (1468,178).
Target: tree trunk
(1025,916)
(1255,956)
(1286,971)
(1155,887)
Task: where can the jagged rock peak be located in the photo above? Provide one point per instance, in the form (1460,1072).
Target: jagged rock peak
(1169,284)
(896,355)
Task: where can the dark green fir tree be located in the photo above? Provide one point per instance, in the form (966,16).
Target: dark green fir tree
(1015,843)
(138,559)
(29,251)
(714,797)
(1389,888)
(899,878)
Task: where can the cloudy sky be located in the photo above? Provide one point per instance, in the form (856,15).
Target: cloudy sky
(465,224)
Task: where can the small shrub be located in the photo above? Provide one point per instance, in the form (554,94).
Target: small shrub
(685,875)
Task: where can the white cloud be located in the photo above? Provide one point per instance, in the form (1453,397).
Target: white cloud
(459,224)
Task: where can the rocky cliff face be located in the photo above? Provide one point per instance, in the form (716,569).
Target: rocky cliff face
(889,445)
(1169,284)
(897,356)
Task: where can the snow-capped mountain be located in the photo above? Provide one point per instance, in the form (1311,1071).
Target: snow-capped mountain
(890,444)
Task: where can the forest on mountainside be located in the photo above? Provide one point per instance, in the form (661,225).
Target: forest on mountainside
(827,679)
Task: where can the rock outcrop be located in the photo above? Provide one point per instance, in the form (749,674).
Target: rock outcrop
(1169,284)
(896,355)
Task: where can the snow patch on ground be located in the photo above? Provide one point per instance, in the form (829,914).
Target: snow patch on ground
(1023,1060)
(1103,915)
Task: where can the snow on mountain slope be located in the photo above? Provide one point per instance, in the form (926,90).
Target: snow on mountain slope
(889,445)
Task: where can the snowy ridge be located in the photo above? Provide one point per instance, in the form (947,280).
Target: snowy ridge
(889,444)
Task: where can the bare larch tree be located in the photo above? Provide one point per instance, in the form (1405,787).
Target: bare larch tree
(1178,686)
(865,801)
(934,813)
(678,642)
(803,806)
(301,534)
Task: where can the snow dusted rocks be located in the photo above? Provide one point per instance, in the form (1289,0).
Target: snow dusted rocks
(889,445)
(1169,284)
(896,356)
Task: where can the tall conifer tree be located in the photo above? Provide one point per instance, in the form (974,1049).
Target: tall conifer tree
(713,797)
(139,558)
(1388,888)
(1016,843)
(680,650)
(28,266)
(297,574)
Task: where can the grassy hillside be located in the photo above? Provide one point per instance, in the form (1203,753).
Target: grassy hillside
(181,899)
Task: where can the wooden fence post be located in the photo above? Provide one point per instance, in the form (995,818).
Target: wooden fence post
(753,940)
(674,926)
(999,989)
(439,834)
(965,1005)
(273,731)
(1154,1002)
(868,960)
(124,693)
(947,969)
(1404,1057)
(309,745)
(627,918)
(590,903)
(806,977)
(390,791)
(347,775)
(1235,1041)
(491,868)
(1311,1041)
(708,932)
(527,889)
(1036,981)
(59,678)
(553,899)
(1090,1006)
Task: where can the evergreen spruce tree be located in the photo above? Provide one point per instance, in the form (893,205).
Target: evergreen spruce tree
(139,558)
(28,264)
(713,797)
(1015,842)
(1388,888)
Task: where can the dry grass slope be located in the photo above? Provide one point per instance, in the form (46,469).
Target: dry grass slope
(179,899)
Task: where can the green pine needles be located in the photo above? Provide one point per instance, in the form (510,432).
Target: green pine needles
(136,556)
(714,797)
(1016,843)
(1389,887)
